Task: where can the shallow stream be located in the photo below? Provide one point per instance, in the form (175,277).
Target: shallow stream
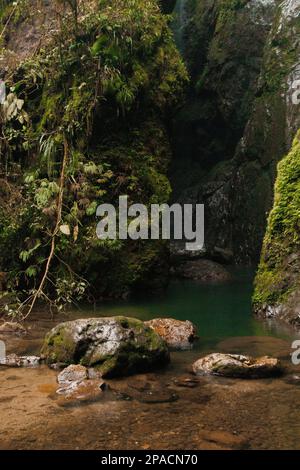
(177,413)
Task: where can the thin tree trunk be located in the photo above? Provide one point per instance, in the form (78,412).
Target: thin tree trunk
(56,230)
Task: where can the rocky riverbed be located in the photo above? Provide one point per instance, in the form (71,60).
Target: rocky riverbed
(194,412)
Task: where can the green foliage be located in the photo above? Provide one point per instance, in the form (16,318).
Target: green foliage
(228,9)
(106,83)
(277,275)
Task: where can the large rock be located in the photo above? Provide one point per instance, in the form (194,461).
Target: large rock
(116,345)
(177,334)
(231,365)
(203,270)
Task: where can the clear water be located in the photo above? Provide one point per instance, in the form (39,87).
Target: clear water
(216,414)
(219,311)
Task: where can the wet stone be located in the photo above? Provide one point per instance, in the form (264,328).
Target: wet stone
(81,392)
(186,382)
(145,391)
(237,366)
(74,373)
(13,360)
(179,335)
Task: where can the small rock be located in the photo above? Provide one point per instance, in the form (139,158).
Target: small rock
(20,361)
(293,379)
(177,334)
(74,373)
(80,392)
(186,382)
(230,365)
(75,385)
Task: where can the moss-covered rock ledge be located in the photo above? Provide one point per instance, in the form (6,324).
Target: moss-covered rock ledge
(115,346)
(277,285)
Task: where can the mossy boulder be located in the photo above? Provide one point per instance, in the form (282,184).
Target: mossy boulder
(116,346)
(277,281)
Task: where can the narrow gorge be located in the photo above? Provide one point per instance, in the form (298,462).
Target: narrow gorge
(128,339)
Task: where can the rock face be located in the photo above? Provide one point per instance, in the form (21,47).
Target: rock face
(203,271)
(231,365)
(115,346)
(177,334)
(277,281)
(239,119)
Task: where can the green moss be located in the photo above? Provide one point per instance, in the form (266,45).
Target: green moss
(278,273)
(227,12)
(59,347)
(108,87)
(139,351)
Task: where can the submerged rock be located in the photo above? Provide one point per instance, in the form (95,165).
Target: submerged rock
(203,270)
(145,389)
(236,366)
(78,392)
(116,346)
(187,382)
(293,379)
(221,440)
(20,361)
(177,334)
